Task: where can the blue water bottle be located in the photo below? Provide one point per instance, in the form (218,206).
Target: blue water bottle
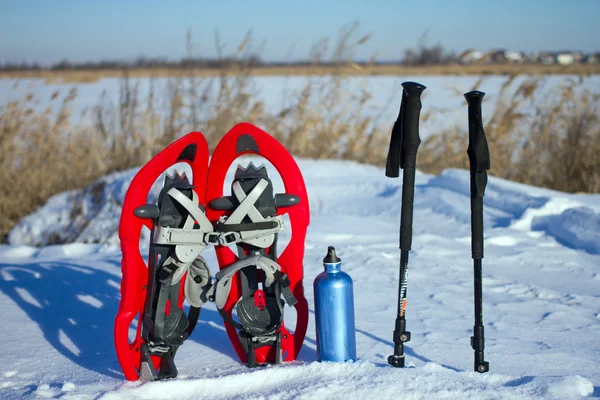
(334,312)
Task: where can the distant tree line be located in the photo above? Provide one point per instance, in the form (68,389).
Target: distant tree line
(141,62)
(422,54)
(197,63)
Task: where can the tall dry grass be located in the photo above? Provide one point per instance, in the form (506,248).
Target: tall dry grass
(42,154)
(556,146)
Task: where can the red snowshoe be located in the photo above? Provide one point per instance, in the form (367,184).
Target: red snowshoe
(252,282)
(251,209)
(136,300)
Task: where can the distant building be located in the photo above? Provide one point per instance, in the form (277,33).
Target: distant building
(579,56)
(593,58)
(515,57)
(543,57)
(502,56)
(565,58)
(471,57)
(497,56)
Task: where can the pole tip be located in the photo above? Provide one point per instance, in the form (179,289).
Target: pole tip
(482,367)
(396,361)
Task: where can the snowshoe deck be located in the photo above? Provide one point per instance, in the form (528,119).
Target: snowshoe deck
(193,150)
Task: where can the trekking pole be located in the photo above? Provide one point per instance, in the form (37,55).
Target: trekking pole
(402,153)
(479,160)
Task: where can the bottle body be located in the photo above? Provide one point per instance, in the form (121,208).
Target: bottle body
(334,315)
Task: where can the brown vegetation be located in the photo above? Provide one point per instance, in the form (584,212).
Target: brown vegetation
(42,154)
(66,76)
(557,146)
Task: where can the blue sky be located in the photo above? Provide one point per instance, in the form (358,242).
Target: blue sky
(47,31)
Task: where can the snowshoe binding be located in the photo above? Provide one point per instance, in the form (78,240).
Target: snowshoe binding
(180,233)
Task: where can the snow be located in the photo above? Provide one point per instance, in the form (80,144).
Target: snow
(541,281)
(575,227)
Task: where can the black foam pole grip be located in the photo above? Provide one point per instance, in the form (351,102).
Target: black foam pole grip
(405,138)
(479,159)
(478,151)
(410,124)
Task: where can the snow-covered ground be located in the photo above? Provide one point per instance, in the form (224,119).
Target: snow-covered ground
(541,297)
(442,99)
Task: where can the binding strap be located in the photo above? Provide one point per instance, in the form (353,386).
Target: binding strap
(261,232)
(272,272)
(188,241)
(247,310)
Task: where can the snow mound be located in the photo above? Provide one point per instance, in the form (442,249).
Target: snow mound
(91,215)
(578,228)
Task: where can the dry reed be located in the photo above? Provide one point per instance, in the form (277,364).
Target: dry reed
(555,146)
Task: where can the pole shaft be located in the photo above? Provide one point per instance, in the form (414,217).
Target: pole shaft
(478,292)
(402,283)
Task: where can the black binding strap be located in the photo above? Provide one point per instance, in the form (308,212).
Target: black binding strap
(193,317)
(169,330)
(284,284)
(250,226)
